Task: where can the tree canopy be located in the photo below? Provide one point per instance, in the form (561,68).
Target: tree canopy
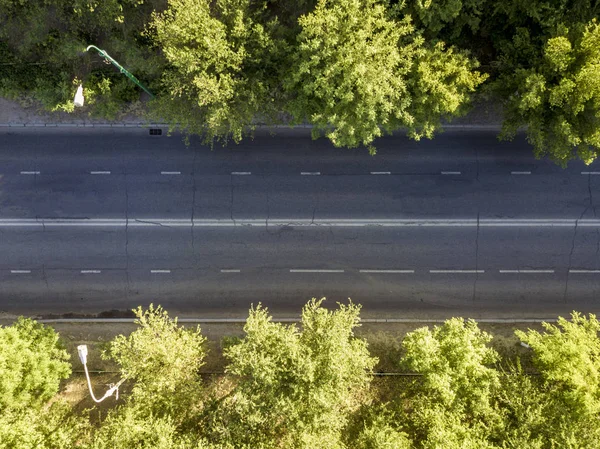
(311,385)
(358,74)
(297,386)
(32,364)
(353,69)
(558,97)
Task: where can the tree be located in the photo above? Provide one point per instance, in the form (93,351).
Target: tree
(295,388)
(358,74)
(568,357)
(222,66)
(32,364)
(561,409)
(558,97)
(445,17)
(130,427)
(162,359)
(52,427)
(454,361)
(453,405)
(379,431)
(441,82)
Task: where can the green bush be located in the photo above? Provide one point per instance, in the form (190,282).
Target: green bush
(32,364)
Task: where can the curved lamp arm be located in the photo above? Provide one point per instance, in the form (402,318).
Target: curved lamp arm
(114,389)
(122,69)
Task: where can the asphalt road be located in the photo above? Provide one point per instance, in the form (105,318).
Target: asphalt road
(95,220)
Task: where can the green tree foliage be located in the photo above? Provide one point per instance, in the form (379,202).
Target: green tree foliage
(295,388)
(454,360)
(449,16)
(348,74)
(558,98)
(53,427)
(453,407)
(357,74)
(222,69)
(568,357)
(162,359)
(560,408)
(130,427)
(32,364)
(441,83)
(42,44)
(379,431)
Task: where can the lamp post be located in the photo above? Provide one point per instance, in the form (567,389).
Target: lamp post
(79,95)
(114,389)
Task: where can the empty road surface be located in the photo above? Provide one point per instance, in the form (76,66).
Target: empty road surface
(106,219)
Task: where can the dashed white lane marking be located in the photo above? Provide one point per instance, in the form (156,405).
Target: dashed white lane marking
(386,271)
(170,172)
(590,172)
(159,271)
(230,271)
(241,173)
(99,173)
(527,271)
(310,173)
(381,173)
(315,271)
(30,172)
(520,172)
(451,173)
(91,271)
(457,271)
(584,271)
(20,271)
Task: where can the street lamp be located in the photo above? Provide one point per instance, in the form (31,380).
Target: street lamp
(79,95)
(114,389)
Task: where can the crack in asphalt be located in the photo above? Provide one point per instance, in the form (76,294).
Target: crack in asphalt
(139,220)
(126,233)
(476,259)
(231,202)
(573,244)
(594,210)
(44,277)
(37,219)
(268,212)
(477,164)
(193,196)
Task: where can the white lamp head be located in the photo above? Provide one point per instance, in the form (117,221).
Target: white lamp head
(82,351)
(79,97)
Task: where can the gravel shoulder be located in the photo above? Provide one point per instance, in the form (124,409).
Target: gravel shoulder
(484,113)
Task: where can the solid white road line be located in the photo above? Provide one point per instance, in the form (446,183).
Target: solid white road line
(590,172)
(451,173)
(315,271)
(241,173)
(386,271)
(20,271)
(99,173)
(520,172)
(30,172)
(170,172)
(300,222)
(584,271)
(381,173)
(160,271)
(526,271)
(457,271)
(90,271)
(310,173)
(230,271)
